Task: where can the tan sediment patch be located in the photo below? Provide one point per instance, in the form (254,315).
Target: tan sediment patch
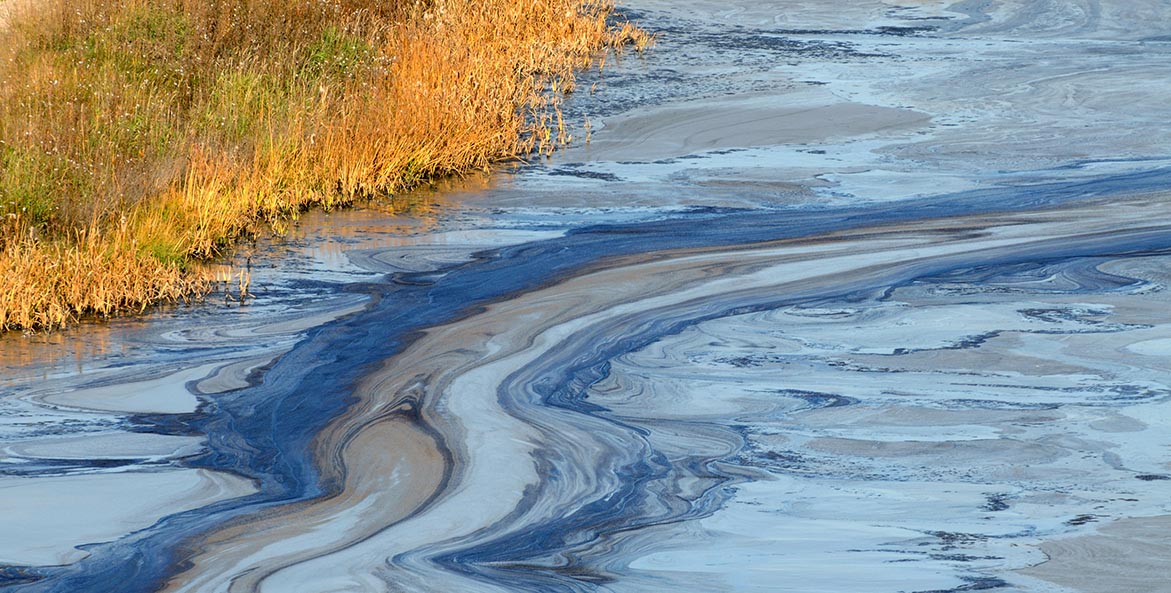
(921,416)
(444,390)
(1129,555)
(1013,355)
(936,4)
(401,467)
(976,451)
(233,376)
(743,122)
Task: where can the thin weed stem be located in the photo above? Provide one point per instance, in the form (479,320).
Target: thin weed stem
(139,137)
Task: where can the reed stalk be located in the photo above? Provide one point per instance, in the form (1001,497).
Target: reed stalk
(140,137)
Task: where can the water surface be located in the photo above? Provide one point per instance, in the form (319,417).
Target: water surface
(840,296)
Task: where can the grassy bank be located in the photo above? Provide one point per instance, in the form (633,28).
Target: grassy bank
(138,137)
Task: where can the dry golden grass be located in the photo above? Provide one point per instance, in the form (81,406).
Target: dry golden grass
(137,136)
(47,283)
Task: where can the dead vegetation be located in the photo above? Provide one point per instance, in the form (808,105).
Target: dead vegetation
(138,137)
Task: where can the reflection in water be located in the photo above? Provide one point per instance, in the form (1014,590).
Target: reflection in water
(850,296)
(33,356)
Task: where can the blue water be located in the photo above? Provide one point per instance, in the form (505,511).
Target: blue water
(264,432)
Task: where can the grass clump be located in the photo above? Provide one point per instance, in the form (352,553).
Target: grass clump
(138,137)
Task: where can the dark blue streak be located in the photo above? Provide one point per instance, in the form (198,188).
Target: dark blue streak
(264,432)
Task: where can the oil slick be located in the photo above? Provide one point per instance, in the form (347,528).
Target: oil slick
(922,347)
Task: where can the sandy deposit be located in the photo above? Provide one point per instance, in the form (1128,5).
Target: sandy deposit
(1130,555)
(743,121)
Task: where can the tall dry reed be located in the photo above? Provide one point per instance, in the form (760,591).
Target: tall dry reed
(139,136)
